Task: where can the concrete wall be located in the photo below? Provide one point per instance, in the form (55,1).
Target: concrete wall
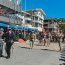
(9,20)
(4,19)
(9,4)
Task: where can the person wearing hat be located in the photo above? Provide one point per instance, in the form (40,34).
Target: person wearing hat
(9,39)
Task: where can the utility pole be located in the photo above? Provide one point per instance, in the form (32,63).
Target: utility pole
(14,13)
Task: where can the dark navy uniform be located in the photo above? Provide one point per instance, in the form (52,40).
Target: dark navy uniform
(9,38)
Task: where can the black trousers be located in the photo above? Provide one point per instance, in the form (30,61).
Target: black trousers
(8,49)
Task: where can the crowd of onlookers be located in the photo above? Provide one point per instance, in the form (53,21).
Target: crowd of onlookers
(51,37)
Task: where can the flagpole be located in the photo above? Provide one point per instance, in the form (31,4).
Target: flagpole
(20,5)
(17,10)
(25,5)
(14,13)
(9,14)
(24,18)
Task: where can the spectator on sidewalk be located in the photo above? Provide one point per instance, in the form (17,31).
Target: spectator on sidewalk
(1,41)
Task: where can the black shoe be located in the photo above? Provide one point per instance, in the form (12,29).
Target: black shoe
(1,56)
(7,57)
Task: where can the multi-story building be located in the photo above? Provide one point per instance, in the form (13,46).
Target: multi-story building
(7,11)
(31,20)
(37,16)
(10,13)
(25,19)
(51,25)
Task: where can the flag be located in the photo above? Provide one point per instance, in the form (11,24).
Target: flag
(18,2)
(14,1)
(10,0)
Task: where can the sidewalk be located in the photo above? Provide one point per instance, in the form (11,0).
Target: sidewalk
(52,46)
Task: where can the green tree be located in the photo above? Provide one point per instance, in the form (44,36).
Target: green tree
(62,27)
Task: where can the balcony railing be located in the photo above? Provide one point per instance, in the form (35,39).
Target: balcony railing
(4,19)
(38,21)
(28,18)
(9,20)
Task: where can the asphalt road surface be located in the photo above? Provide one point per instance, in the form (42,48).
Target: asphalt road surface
(21,55)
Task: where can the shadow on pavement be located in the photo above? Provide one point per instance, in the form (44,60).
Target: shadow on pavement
(62,57)
(48,50)
(25,47)
(62,64)
(39,44)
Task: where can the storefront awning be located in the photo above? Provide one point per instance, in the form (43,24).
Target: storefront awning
(25,28)
(32,29)
(16,27)
(3,24)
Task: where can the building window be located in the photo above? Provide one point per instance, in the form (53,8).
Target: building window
(39,14)
(35,13)
(40,20)
(28,22)
(33,17)
(50,22)
(40,25)
(32,23)
(28,15)
(50,29)
(22,14)
(36,24)
(36,18)
(45,24)
(45,20)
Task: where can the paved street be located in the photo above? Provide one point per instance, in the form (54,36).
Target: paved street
(22,55)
